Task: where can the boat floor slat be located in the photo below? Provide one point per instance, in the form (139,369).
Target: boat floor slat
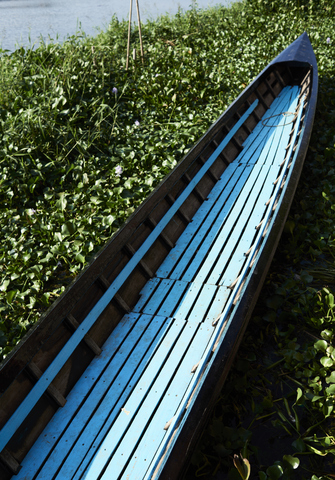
(260,150)
(215,209)
(159,406)
(226,229)
(266,128)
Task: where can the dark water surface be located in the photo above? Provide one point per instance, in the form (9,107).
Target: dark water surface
(23,22)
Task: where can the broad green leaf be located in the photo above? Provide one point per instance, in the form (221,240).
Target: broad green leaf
(293,462)
(242,465)
(62,202)
(327,362)
(68,228)
(80,258)
(299,399)
(330,390)
(109,220)
(10,295)
(4,285)
(299,444)
(274,472)
(321,345)
(331,378)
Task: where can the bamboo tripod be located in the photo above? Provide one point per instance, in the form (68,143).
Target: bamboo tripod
(139,31)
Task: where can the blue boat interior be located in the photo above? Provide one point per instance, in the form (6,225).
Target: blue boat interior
(123,415)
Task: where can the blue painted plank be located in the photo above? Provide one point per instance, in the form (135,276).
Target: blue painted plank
(228,265)
(185,251)
(277,194)
(151,303)
(281,137)
(273,131)
(173,300)
(261,133)
(257,148)
(221,227)
(155,434)
(269,118)
(222,196)
(154,380)
(146,292)
(64,416)
(220,250)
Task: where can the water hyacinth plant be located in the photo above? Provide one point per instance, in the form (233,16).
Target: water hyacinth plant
(83,142)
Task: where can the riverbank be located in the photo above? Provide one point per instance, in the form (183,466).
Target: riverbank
(84,142)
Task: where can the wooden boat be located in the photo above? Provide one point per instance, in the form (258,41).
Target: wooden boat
(119,376)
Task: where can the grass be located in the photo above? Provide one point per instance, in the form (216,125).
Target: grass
(83,142)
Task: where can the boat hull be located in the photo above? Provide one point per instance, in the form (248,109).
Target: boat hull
(47,367)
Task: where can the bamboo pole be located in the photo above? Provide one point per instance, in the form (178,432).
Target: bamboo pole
(129,31)
(139,29)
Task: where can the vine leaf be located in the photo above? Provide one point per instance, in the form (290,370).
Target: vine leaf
(243,466)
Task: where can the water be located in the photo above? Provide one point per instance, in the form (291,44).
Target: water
(24,22)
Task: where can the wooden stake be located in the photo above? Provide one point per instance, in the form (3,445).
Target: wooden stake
(139,29)
(129,31)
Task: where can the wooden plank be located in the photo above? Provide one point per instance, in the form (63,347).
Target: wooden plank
(154,432)
(109,390)
(220,228)
(63,417)
(114,428)
(224,194)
